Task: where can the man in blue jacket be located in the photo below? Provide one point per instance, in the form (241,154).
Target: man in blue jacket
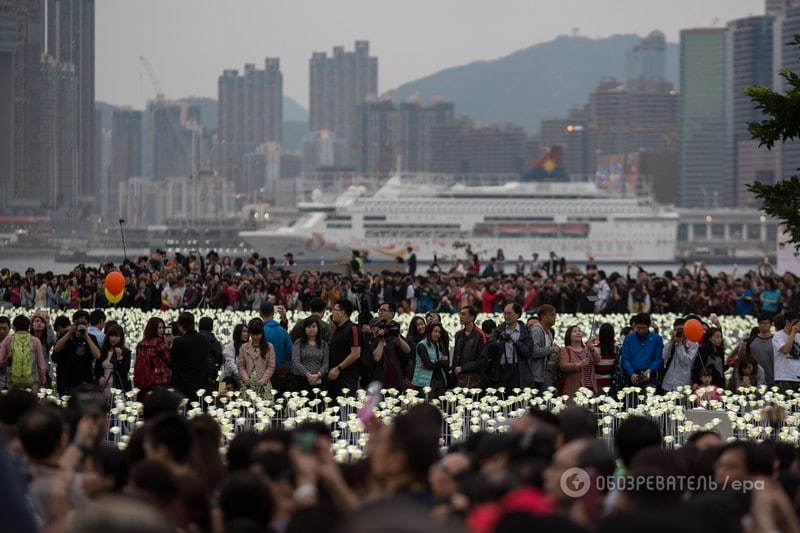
(276,335)
(641,354)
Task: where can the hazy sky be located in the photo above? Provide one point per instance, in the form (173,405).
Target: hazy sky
(190,42)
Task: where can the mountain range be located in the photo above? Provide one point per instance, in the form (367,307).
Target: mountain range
(539,82)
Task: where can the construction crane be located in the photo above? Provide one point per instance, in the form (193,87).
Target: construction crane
(177,128)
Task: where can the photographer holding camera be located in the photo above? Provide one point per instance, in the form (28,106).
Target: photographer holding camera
(75,353)
(679,359)
(389,349)
(507,357)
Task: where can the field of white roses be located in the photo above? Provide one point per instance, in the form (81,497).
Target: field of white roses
(465,411)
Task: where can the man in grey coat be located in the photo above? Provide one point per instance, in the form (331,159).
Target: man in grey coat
(542,335)
(507,357)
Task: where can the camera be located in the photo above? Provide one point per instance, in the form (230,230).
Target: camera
(392,331)
(506,337)
(679,332)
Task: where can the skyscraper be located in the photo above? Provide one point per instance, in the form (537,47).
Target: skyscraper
(646,62)
(126,149)
(250,114)
(70,38)
(171,138)
(705,155)
(752,54)
(788,26)
(337,85)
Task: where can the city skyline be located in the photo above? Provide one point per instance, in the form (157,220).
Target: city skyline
(188,60)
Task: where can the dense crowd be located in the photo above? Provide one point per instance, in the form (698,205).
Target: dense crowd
(544,470)
(195,281)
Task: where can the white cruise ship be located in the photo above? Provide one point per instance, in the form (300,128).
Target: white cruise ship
(572,219)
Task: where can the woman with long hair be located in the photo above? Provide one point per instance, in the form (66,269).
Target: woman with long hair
(711,356)
(609,352)
(152,357)
(230,352)
(577,361)
(112,369)
(416,334)
(256,363)
(205,459)
(310,353)
(746,373)
(444,342)
(431,364)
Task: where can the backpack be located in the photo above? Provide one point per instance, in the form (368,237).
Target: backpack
(22,360)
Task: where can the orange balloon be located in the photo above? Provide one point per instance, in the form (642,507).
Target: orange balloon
(693,330)
(115,283)
(113,298)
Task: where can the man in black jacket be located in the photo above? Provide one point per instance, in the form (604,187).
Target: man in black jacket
(507,357)
(469,344)
(206,329)
(191,353)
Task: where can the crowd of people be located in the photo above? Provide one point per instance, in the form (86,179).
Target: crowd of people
(194,281)
(172,476)
(547,472)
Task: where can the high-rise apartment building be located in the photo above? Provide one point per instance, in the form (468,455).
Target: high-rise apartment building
(461,148)
(705,154)
(172,133)
(751,52)
(126,148)
(338,84)
(250,114)
(398,137)
(70,39)
(646,62)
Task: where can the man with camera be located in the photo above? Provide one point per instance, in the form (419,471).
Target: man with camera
(507,358)
(75,353)
(679,359)
(390,350)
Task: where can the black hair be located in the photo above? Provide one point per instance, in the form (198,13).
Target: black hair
(206,323)
(21,323)
(111,461)
(244,496)
(5,320)
(41,430)
(240,449)
(606,336)
(488,326)
(516,307)
(634,434)
(267,309)
(576,423)
(641,318)
(96,316)
(171,430)
(316,305)
(153,479)
(14,404)
(346,306)
(186,321)
(391,305)
(416,435)
(159,401)
(471,310)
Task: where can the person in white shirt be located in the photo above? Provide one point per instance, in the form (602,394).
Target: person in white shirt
(679,356)
(786,348)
